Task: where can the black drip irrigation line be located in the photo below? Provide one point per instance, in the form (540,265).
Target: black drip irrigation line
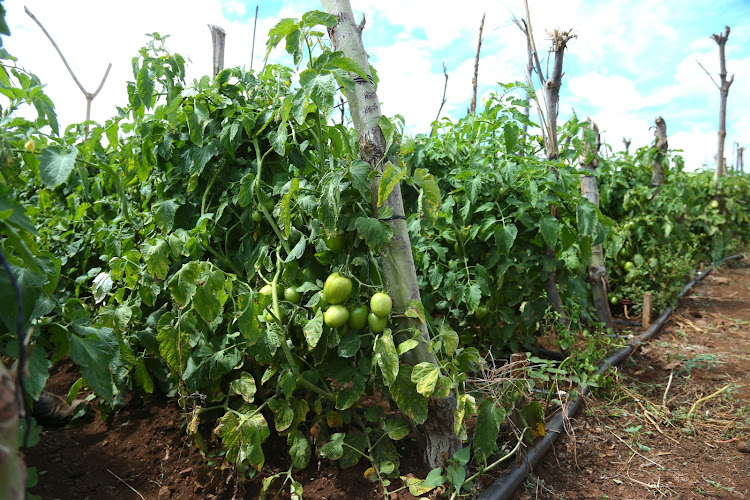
(504,486)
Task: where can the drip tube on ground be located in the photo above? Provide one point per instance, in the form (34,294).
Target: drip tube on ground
(504,486)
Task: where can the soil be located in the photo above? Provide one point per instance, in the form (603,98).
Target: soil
(637,443)
(632,442)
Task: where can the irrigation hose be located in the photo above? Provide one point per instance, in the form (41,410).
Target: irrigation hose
(504,486)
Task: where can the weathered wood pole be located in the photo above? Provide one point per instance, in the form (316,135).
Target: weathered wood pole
(657,177)
(597,269)
(218,40)
(436,435)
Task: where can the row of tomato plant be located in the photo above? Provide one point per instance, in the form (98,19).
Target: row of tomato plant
(213,241)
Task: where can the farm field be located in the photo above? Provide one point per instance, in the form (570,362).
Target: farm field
(254,284)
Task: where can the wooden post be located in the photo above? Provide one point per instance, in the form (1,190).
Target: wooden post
(627,145)
(648,309)
(597,267)
(12,468)
(721,40)
(657,177)
(473,106)
(218,37)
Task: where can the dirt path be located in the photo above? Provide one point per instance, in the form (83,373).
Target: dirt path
(644,442)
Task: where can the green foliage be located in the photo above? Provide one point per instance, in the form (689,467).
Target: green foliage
(141,249)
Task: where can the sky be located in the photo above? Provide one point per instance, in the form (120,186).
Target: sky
(632,60)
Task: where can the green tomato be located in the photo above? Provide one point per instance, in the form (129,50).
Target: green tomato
(481,312)
(714,204)
(628,266)
(336,243)
(268,290)
(381,304)
(271,319)
(377,323)
(292,295)
(336,316)
(309,275)
(614,300)
(337,288)
(257,216)
(322,303)
(358,317)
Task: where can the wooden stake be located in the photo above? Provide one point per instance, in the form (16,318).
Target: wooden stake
(473,106)
(648,309)
(218,38)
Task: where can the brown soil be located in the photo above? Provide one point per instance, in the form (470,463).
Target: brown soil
(633,446)
(142,451)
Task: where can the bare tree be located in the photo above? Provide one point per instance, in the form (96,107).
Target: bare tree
(473,106)
(657,177)
(436,434)
(627,142)
(723,87)
(89,96)
(550,96)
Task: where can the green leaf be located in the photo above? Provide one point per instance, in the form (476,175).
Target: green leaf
(314,17)
(38,372)
(406,346)
(510,136)
(320,88)
(334,449)
(197,120)
(350,393)
(489,418)
(156,254)
(95,350)
(170,340)
(386,357)
(184,283)
(298,251)
(242,434)
(587,217)
(429,200)
(390,178)
(349,345)
(409,401)
(397,428)
(244,386)
(375,232)
(55,165)
(351,457)
(278,138)
(359,172)
(313,330)
(505,236)
(415,309)
(329,210)
(246,195)
(123,314)
(299,449)
(550,230)
(425,375)
(285,209)
(209,298)
(145,85)
(449,337)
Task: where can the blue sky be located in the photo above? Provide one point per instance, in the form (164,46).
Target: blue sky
(631,62)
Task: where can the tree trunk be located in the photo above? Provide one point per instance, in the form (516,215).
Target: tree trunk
(597,267)
(723,93)
(437,436)
(657,177)
(627,145)
(551,92)
(12,468)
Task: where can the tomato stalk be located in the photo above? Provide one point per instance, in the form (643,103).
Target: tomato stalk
(260,205)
